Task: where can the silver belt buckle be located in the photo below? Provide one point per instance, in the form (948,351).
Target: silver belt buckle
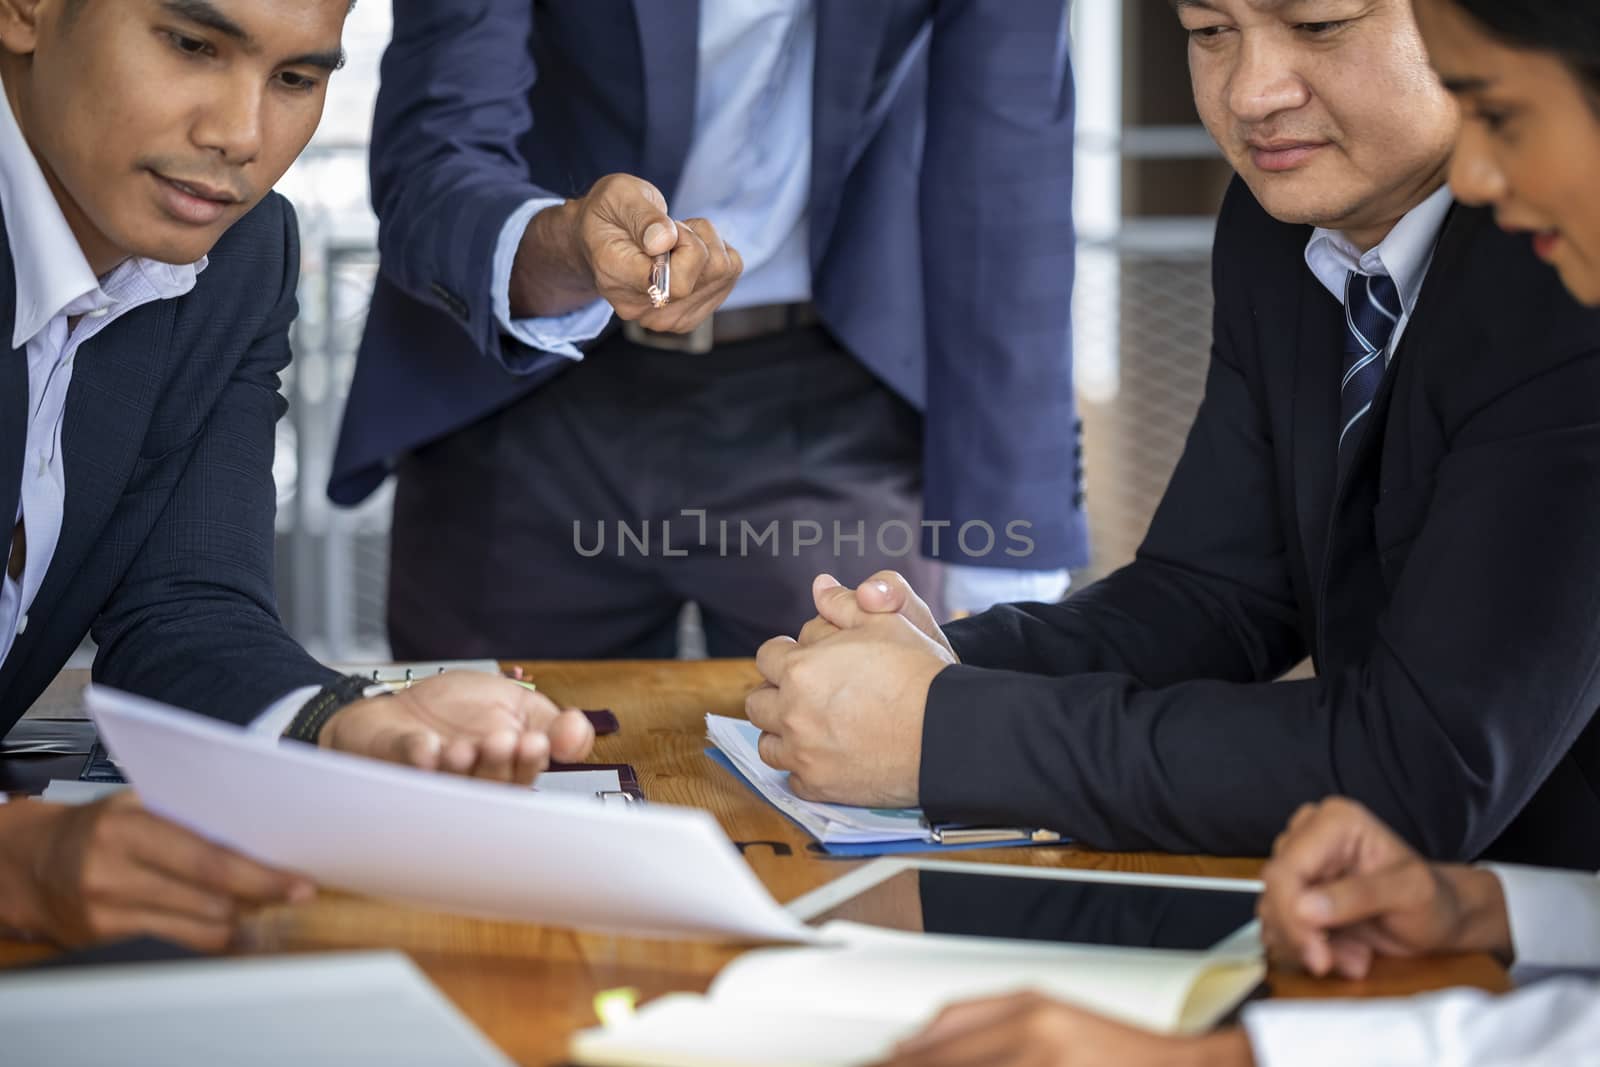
(696,342)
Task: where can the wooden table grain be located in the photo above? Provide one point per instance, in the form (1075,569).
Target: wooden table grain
(530,987)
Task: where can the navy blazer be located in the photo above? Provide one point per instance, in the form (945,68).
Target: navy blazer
(946,119)
(1447,588)
(166,548)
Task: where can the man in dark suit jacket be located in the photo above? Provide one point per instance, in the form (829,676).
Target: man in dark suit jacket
(918,155)
(147,281)
(1429,544)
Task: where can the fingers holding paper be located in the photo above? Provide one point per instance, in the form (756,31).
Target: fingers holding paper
(464,723)
(843,713)
(112,869)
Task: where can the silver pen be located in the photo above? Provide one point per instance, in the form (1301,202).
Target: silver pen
(660,290)
(991,835)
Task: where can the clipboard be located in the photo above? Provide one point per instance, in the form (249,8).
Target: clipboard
(102,769)
(628,792)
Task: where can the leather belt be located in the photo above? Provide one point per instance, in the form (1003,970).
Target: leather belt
(726,328)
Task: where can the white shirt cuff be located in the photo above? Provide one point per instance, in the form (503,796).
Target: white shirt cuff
(281,712)
(1554,1024)
(557,334)
(972,589)
(1555,917)
(1339,1033)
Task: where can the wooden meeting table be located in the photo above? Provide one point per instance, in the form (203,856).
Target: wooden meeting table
(530,987)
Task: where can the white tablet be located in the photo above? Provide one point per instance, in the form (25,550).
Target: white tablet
(1043,904)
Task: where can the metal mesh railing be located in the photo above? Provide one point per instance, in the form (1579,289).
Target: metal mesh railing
(1143,326)
(332,563)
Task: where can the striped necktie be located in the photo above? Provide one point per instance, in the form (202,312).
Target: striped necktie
(1371,312)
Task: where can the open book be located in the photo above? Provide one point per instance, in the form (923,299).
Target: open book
(849,1002)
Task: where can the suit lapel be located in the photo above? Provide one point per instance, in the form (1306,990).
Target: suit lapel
(13,394)
(1316,416)
(1349,545)
(669,42)
(849,35)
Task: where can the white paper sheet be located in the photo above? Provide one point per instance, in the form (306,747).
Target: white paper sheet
(437,841)
(833,824)
(71,791)
(585,784)
(368,1009)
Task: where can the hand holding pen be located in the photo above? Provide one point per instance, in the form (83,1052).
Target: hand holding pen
(660,291)
(619,243)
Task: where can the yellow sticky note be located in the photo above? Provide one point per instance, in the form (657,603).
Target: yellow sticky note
(615,1006)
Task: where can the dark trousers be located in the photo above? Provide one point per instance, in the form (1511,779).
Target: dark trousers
(578,521)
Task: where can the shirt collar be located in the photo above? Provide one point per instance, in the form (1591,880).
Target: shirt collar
(1404,255)
(53,276)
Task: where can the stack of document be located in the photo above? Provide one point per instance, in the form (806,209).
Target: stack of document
(841,828)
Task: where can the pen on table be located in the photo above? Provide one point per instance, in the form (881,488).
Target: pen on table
(952,834)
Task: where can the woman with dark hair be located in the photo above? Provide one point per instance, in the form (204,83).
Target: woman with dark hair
(1527,74)
(1341,887)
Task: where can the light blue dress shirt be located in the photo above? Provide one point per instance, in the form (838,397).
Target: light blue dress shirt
(748,170)
(1403,256)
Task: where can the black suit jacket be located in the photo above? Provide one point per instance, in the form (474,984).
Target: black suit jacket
(166,546)
(1448,589)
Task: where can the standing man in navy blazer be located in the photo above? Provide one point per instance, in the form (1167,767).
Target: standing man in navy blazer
(877,196)
(147,281)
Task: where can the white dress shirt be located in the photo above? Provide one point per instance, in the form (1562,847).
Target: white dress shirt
(55,285)
(1552,1024)
(1404,257)
(1555,926)
(1555,918)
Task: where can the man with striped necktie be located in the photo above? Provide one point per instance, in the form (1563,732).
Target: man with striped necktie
(1395,472)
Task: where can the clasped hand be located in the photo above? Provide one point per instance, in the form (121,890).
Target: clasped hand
(842,707)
